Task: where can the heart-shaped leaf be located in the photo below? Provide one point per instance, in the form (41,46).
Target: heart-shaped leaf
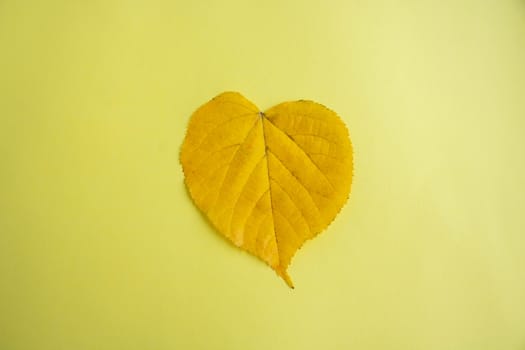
(267,181)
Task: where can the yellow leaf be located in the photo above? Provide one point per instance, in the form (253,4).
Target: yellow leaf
(267,181)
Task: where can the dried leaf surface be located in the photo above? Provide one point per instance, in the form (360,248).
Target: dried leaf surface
(267,181)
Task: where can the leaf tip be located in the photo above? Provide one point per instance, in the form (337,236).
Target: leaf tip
(284,275)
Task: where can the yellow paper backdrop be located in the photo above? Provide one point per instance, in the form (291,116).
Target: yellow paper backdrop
(101,247)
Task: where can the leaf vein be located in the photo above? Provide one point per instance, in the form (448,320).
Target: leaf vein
(316,136)
(305,153)
(266,150)
(299,181)
(238,104)
(215,152)
(253,208)
(243,188)
(209,133)
(290,224)
(293,202)
(229,165)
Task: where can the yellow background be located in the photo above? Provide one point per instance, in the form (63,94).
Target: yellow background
(101,247)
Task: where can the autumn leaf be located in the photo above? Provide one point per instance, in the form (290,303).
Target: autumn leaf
(268,181)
